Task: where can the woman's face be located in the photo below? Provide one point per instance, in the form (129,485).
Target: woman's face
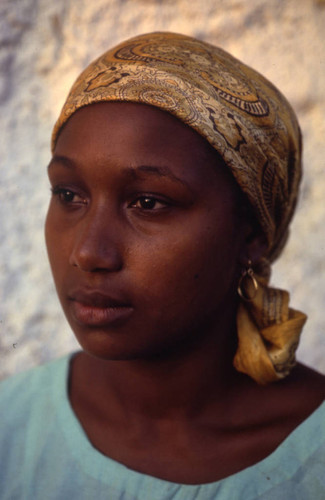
(142,232)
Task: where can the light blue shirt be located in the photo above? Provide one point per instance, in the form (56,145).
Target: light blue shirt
(45,454)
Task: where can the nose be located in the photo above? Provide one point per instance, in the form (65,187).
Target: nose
(96,243)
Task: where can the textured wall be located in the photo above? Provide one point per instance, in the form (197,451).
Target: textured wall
(43,47)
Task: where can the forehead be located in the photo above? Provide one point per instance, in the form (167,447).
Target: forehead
(140,123)
(130,134)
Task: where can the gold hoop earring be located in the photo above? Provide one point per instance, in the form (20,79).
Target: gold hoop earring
(247,274)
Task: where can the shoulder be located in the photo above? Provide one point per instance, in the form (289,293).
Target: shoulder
(32,416)
(295,469)
(28,400)
(305,375)
(297,396)
(275,411)
(292,399)
(33,375)
(298,463)
(287,419)
(304,390)
(21,393)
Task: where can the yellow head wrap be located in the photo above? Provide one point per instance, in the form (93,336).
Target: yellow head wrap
(252,126)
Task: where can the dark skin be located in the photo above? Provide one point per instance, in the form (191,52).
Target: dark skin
(146,237)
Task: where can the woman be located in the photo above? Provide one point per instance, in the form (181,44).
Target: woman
(174,177)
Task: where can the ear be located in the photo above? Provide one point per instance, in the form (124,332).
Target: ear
(254,246)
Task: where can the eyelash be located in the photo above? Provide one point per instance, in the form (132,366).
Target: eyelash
(60,193)
(149,200)
(63,193)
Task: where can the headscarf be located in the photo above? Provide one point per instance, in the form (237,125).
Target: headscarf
(254,129)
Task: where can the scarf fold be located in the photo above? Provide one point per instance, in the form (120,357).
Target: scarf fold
(268,332)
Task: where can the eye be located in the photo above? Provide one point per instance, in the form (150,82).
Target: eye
(148,203)
(67,196)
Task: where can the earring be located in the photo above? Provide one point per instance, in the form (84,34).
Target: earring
(246,281)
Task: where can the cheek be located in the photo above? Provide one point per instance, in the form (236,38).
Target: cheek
(190,272)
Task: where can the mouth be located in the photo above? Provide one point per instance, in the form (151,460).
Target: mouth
(97,309)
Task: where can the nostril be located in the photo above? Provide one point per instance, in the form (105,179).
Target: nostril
(96,240)
(96,257)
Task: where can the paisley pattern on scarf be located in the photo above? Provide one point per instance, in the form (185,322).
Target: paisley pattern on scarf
(251,125)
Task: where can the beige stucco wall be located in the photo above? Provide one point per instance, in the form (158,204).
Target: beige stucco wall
(45,44)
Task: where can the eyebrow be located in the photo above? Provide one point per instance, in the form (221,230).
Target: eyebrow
(133,172)
(64,160)
(160,171)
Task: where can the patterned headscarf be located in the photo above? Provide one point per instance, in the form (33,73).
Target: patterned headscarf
(254,129)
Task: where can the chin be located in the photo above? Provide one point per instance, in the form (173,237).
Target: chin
(105,347)
(105,350)
(109,349)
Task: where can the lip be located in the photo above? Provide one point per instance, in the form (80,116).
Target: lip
(93,308)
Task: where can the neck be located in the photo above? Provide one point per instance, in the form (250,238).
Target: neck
(181,383)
